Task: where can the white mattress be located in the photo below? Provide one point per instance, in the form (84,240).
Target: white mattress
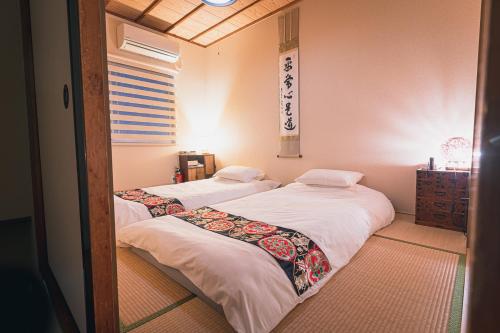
(192,195)
(247,282)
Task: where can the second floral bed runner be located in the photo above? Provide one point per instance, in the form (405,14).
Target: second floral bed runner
(156,205)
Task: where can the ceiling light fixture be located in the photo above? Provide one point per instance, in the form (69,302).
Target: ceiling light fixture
(219,3)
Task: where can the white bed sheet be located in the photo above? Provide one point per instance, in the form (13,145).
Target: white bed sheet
(246,281)
(192,195)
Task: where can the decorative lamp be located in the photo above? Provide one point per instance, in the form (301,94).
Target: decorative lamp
(218,3)
(457,152)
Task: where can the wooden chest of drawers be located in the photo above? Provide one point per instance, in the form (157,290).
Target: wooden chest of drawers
(442,199)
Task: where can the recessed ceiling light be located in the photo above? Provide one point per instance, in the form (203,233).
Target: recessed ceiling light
(219,3)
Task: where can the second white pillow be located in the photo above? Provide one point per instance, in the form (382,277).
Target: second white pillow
(327,177)
(240,173)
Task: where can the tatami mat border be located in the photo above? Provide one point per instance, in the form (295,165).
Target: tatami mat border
(455,320)
(457,301)
(124,329)
(418,244)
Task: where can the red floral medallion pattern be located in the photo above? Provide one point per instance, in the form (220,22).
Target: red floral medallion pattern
(259,228)
(157,206)
(132,195)
(153,201)
(304,263)
(174,209)
(279,247)
(219,225)
(186,213)
(317,265)
(214,215)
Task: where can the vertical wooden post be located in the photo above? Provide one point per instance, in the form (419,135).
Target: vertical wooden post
(92,31)
(485,211)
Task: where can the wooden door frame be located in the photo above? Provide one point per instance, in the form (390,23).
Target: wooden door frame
(87,34)
(485,238)
(89,61)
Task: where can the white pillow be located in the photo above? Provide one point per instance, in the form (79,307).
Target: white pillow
(326,177)
(240,173)
(261,176)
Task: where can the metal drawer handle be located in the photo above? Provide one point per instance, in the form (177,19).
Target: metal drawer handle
(440,193)
(441,205)
(495,140)
(66,96)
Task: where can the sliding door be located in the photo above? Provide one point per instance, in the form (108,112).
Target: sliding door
(58,152)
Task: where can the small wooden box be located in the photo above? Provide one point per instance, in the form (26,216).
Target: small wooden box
(195,173)
(442,199)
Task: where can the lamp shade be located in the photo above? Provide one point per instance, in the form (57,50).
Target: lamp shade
(219,3)
(457,152)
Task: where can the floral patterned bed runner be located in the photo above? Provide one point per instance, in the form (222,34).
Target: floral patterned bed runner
(300,258)
(157,206)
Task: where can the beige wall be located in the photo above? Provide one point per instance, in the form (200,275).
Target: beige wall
(141,166)
(383,84)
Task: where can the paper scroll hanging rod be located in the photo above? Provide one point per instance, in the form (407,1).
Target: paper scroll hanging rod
(289,156)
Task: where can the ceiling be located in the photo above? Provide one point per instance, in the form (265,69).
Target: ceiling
(192,20)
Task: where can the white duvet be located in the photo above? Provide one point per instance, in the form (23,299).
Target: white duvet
(192,195)
(246,281)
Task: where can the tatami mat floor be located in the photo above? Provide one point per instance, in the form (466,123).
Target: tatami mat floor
(406,278)
(408,231)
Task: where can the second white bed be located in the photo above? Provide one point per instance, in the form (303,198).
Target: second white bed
(192,195)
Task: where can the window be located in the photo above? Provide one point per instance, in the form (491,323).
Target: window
(142,105)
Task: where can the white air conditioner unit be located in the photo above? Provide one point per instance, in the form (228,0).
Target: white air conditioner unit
(146,43)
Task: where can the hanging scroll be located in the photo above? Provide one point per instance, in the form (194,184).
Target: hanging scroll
(289,97)
(289,84)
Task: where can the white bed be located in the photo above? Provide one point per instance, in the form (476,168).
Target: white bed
(247,282)
(192,195)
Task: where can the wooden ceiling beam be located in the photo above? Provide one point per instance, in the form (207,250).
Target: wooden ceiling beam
(182,19)
(253,22)
(149,8)
(194,10)
(184,39)
(224,20)
(122,16)
(162,31)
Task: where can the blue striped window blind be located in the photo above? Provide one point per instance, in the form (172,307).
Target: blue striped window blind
(142,105)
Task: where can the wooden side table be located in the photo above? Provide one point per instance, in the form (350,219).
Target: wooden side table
(442,199)
(204,169)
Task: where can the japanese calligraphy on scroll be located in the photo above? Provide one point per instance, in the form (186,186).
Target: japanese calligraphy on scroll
(289,93)
(289,84)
